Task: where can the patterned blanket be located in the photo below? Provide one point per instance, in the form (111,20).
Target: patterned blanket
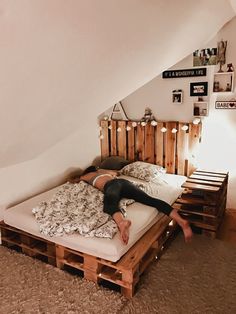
(76,208)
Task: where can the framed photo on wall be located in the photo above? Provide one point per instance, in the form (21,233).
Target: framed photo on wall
(200,109)
(198,89)
(177,96)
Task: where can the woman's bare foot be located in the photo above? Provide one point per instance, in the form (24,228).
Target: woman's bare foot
(188,234)
(124,226)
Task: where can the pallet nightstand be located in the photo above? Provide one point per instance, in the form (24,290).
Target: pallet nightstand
(204,200)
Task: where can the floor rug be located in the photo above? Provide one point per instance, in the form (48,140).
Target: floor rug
(199,277)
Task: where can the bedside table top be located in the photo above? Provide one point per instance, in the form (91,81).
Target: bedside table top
(205,180)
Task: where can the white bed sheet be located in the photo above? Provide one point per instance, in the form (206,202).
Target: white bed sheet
(142,218)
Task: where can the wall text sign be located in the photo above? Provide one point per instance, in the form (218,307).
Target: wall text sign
(184,73)
(225,104)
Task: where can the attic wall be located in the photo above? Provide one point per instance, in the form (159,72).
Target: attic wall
(64,62)
(219,128)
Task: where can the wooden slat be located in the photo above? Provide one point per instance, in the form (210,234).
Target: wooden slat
(213,183)
(121,140)
(189,200)
(181,150)
(195,186)
(170,147)
(192,211)
(159,144)
(207,178)
(140,148)
(209,173)
(113,138)
(194,138)
(149,143)
(221,174)
(105,140)
(131,142)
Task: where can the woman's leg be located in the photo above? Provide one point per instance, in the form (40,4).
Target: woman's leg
(129,190)
(184,224)
(123,226)
(112,196)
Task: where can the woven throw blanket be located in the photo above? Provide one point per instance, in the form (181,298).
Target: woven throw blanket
(79,208)
(76,208)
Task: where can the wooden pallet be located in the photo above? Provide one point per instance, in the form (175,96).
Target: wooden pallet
(28,243)
(204,201)
(174,151)
(125,273)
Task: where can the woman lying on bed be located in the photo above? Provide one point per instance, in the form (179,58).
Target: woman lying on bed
(115,189)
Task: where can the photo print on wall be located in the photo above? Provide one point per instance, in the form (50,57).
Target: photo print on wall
(205,57)
(198,89)
(177,96)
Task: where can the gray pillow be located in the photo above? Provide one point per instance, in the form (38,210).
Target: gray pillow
(114,163)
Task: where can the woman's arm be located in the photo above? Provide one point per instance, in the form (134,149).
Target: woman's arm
(113,172)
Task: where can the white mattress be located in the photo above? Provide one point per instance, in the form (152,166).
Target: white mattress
(142,218)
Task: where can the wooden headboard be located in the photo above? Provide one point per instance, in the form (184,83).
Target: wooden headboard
(174,151)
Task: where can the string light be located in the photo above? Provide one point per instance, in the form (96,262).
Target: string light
(134,124)
(184,128)
(196,121)
(153,122)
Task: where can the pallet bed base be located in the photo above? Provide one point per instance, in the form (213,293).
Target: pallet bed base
(124,273)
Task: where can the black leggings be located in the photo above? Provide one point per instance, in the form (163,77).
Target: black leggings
(117,189)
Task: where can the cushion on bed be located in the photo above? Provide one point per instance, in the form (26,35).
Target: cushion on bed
(114,163)
(143,170)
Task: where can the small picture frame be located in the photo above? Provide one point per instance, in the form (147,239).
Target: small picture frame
(200,109)
(177,96)
(198,89)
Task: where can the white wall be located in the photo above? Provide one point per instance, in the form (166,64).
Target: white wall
(218,146)
(64,62)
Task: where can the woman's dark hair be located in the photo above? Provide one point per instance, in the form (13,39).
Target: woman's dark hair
(90,169)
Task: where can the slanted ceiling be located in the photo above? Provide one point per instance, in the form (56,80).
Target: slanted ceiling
(63,61)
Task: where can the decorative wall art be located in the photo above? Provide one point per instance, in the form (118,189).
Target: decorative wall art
(198,89)
(177,96)
(222,45)
(225,104)
(223,82)
(118,112)
(184,73)
(200,109)
(205,57)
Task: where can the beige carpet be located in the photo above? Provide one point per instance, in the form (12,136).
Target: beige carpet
(195,278)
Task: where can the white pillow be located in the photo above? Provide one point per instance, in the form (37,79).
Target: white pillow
(143,170)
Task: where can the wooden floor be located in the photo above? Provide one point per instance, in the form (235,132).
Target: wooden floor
(227,230)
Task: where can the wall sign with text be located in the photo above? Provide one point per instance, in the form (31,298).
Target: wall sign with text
(184,73)
(225,104)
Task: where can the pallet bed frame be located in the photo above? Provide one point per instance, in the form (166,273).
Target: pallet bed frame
(175,151)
